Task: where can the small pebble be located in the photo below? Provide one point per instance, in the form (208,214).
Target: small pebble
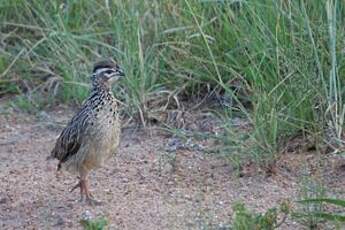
(86,215)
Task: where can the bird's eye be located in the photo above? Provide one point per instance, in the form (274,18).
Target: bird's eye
(108,72)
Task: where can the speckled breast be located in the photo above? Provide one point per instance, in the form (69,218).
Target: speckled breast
(104,135)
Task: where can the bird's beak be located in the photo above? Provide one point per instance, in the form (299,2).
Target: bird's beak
(119,72)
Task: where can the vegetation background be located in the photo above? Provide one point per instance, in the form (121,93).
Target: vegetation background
(279,64)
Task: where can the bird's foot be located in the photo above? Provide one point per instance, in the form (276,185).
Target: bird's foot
(82,198)
(93,202)
(85,193)
(79,185)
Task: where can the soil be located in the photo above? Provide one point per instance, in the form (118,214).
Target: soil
(143,186)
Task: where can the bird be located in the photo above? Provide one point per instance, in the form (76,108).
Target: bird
(92,136)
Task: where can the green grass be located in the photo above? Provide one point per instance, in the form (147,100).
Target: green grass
(273,218)
(95,224)
(244,219)
(338,218)
(286,58)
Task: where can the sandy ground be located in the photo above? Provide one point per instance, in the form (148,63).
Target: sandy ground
(143,187)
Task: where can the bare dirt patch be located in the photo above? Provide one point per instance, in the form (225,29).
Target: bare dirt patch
(143,187)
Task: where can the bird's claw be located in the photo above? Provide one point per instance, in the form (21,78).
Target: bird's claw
(76,186)
(93,202)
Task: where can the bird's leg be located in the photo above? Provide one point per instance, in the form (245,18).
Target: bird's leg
(81,185)
(87,191)
(89,198)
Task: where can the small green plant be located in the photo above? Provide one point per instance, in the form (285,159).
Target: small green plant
(247,220)
(95,224)
(321,215)
(310,188)
(23,103)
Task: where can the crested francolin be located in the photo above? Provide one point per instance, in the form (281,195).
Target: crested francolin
(93,134)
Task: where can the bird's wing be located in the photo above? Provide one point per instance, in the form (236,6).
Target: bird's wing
(71,137)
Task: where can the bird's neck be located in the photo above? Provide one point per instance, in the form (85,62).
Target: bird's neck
(100,87)
(102,92)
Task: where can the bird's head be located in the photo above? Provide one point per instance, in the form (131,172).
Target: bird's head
(106,72)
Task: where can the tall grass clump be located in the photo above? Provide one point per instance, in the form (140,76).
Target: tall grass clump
(279,61)
(285,51)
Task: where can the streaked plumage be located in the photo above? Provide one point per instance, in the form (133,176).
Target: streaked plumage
(93,134)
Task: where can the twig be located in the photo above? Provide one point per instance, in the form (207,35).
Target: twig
(12,63)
